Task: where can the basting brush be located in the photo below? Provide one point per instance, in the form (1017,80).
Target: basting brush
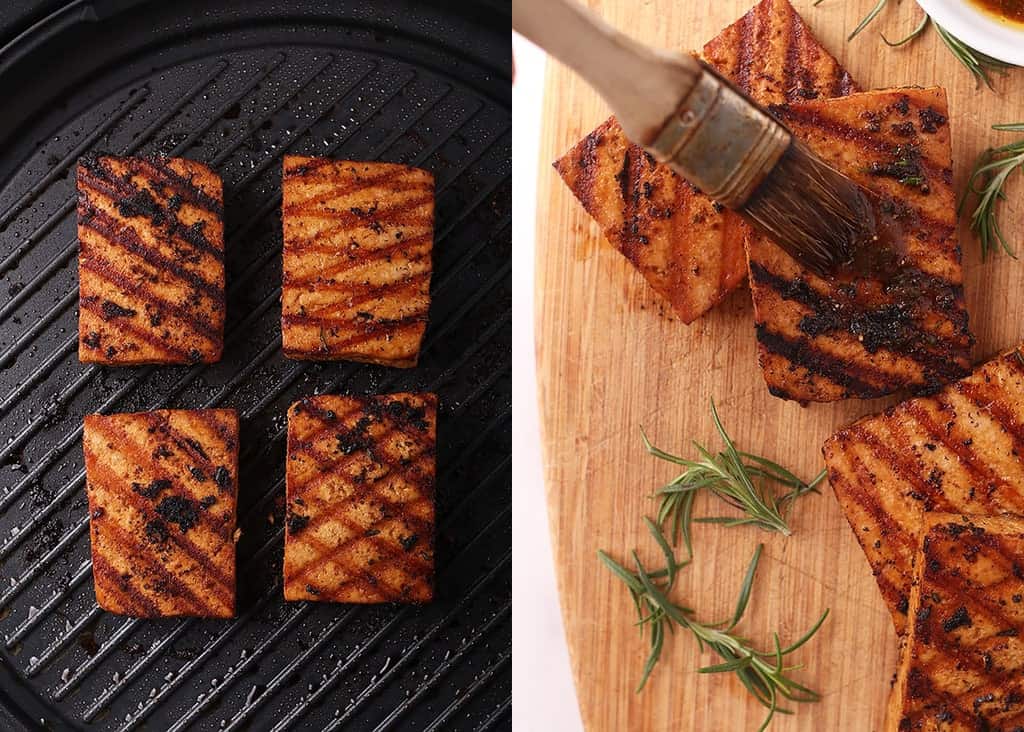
(688,116)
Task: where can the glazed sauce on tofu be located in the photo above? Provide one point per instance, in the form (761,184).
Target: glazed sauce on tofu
(1007,10)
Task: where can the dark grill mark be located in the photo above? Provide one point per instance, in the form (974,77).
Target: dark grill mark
(746,55)
(155,579)
(152,490)
(623,177)
(803,354)
(178,510)
(141,203)
(931,120)
(197,448)
(156,531)
(135,333)
(296,523)
(894,326)
(112,310)
(222,477)
(131,201)
(980,472)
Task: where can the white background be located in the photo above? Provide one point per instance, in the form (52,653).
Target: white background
(545,698)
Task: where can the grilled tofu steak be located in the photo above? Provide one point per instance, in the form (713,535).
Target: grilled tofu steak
(357,260)
(162,493)
(360,512)
(888,326)
(962,669)
(151,261)
(687,247)
(958,451)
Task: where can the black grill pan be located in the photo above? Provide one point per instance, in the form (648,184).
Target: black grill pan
(237,85)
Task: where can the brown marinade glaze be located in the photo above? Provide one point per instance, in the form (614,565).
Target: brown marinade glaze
(687,247)
(957,451)
(161,544)
(151,261)
(1010,10)
(963,666)
(357,260)
(360,499)
(893,318)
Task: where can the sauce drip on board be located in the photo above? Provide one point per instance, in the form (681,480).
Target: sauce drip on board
(881,295)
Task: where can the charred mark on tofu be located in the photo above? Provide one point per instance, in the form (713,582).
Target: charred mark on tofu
(364,479)
(357,260)
(896,317)
(160,546)
(139,254)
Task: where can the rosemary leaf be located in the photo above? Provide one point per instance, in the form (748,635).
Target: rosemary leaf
(979,64)
(866,20)
(974,61)
(910,36)
(744,481)
(986,182)
(764,673)
(748,583)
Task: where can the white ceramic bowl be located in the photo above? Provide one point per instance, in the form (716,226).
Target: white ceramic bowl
(979,29)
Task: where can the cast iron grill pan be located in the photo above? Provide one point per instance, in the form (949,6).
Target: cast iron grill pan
(237,86)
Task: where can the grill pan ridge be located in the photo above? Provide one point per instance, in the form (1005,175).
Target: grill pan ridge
(236,85)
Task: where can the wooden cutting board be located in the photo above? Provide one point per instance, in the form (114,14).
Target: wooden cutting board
(612,357)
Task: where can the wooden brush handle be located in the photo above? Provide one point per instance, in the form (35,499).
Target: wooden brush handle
(642,85)
(681,111)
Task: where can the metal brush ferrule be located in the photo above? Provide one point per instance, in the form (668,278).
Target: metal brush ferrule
(720,141)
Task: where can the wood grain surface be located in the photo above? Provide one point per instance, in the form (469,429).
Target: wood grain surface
(612,357)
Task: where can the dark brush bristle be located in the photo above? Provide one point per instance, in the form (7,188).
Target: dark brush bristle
(814,212)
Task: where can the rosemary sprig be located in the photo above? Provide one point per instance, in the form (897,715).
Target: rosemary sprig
(739,478)
(987,180)
(925,22)
(762,672)
(979,64)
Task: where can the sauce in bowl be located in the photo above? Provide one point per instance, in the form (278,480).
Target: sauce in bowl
(1006,10)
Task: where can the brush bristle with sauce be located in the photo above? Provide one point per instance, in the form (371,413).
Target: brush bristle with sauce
(815,213)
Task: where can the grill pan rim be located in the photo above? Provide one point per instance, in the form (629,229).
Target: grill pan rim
(18,74)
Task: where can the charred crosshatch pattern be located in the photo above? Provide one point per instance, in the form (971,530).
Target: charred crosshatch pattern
(359,525)
(151,261)
(162,489)
(687,247)
(964,658)
(958,451)
(357,260)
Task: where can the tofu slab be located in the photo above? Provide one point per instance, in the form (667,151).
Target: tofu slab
(962,669)
(688,248)
(357,260)
(959,451)
(151,261)
(821,340)
(360,511)
(162,490)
